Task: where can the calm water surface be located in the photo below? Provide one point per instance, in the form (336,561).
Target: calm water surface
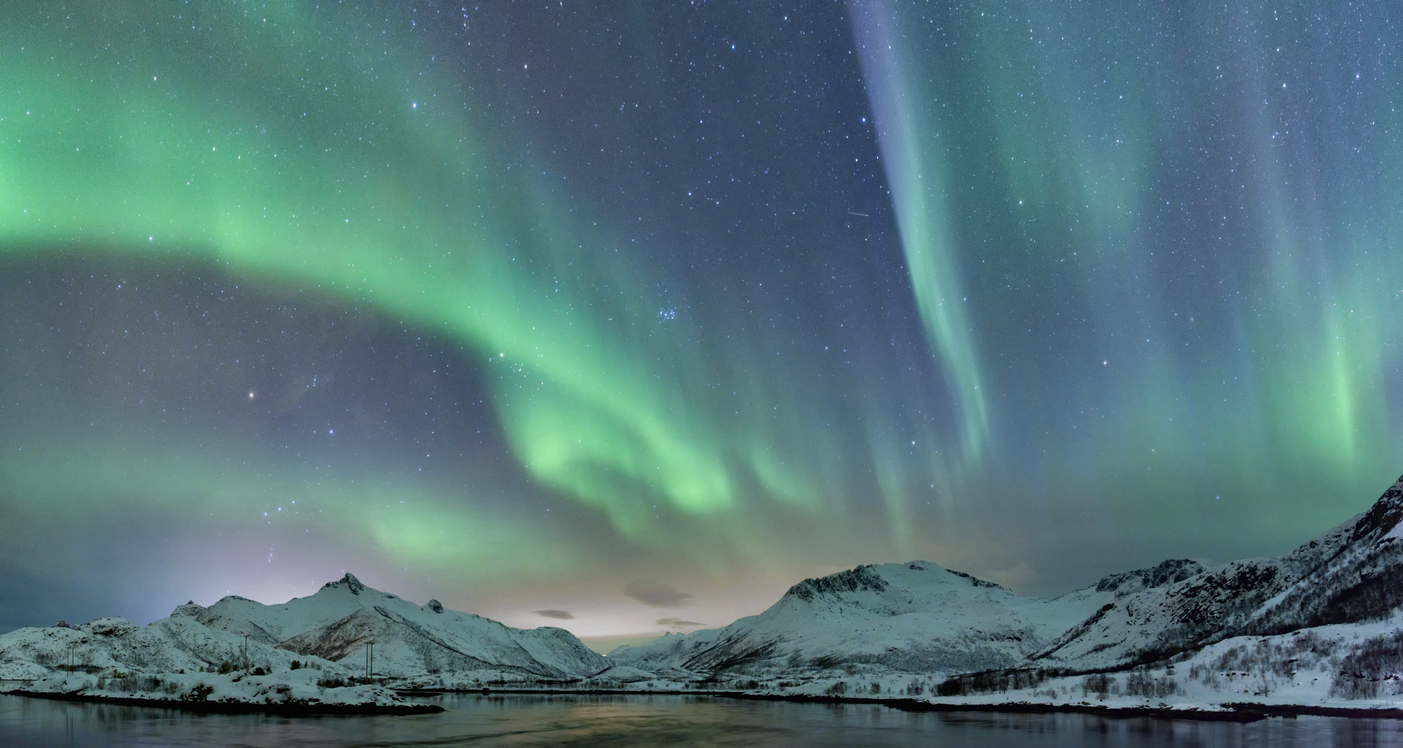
(654,721)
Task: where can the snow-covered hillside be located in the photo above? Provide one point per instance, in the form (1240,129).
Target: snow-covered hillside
(179,660)
(1352,573)
(170,645)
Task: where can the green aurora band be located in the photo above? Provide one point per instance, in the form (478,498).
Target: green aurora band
(128,152)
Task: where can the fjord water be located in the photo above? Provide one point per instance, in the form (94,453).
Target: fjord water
(654,721)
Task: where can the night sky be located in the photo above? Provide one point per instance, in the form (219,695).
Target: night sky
(625,318)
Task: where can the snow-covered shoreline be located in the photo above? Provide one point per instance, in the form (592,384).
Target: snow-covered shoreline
(179,663)
(1246,711)
(1239,678)
(284,709)
(288,692)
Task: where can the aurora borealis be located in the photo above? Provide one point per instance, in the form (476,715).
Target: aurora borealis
(518,306)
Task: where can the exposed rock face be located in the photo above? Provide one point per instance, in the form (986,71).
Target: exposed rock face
(188,610)
(863,578)
(1382,518)
(1167,572)
(348,582)
(1358,580)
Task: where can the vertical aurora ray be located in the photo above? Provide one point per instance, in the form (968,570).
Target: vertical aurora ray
(917,172)
(1191,213)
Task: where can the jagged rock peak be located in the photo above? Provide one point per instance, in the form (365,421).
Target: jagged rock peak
(108,626)
(1383,516)
(349,582)
(191,609)
(860,578)
(972,579)
(1167,572)
(435,606)
(868,577)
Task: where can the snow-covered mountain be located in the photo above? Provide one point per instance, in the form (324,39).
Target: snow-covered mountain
(913,617)
(170,645)
(920,618)
(1321,623)
(1350,574)
(344,617)
(305,655)
(179,661)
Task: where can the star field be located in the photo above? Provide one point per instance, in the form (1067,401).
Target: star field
(515,306)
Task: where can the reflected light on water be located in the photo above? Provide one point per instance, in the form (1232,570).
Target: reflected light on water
(654,721)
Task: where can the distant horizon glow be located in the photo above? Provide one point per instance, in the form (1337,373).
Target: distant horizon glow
(523,309)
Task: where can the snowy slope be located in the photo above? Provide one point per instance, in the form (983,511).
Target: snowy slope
(1350,574)
(344,617)
(914,617)
(1358,579)
(178,660)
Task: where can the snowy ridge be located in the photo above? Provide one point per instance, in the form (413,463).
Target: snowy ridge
(344,617)
(921,618)
(182,661)
(1350,574)
(913,617)
(239,652)
(1357,579)
(1168,572)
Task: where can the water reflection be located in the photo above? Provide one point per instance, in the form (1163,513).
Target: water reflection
(513,720)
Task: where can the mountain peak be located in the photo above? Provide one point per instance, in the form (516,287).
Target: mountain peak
(1383,516)
(349,581)
(191,609)
(859,579)
(877,579)
(1167,572)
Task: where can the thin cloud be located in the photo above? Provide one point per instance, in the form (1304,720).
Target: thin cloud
(678,623)
(657,594)
(563,615)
